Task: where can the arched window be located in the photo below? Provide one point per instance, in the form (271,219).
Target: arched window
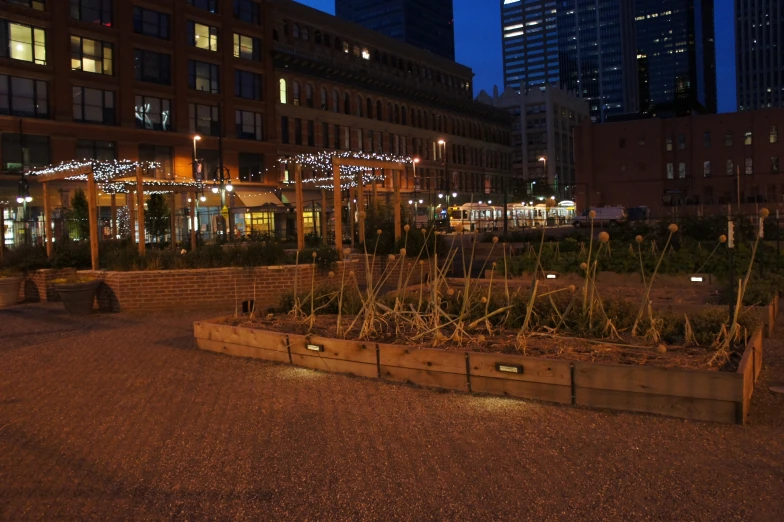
(359,106)
(419,118)
(309,95)
(397,113)
(295,93)
(338,44)
(326,40)
(390,114)
(356,51)
(413,117)
(305,35)
(346,104)
(369,108)
(283,89)
(275,35)
(379,111)
(403,113)
(317,37)
(295,31)
(324,105)
(335,101)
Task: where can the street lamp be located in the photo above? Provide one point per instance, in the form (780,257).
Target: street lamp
(446,184)
(195,139)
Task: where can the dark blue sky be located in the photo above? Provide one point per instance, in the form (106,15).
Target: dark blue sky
(478,43)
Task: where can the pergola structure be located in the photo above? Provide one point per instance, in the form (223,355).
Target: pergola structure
(347,169)
(3,204)
(113,177)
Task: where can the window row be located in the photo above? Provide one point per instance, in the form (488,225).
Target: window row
(729,139)
(730,168)
(304,33)
(292,92)
(248,11)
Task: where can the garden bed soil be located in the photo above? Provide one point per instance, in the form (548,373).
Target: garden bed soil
(625,351)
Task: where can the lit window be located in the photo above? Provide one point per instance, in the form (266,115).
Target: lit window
(24,42)
(670,171)
(247,47)
(749,166)
(774,134)
(681,170)
(747,138)
(283,95)
(153,113)
(365,53)
(92,56)
(203,36)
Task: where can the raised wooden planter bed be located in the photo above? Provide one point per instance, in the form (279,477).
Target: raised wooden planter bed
(689,394)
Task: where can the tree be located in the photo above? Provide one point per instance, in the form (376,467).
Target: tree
(156,217)
(80,214)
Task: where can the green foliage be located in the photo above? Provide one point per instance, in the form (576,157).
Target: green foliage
(156,217)
(25,258)
(79,213)
(326,299)
(326,257)
(68,253)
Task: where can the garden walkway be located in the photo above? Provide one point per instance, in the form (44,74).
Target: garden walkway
(119,417)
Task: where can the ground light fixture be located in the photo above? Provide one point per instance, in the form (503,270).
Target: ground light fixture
(315,347)
(551,275)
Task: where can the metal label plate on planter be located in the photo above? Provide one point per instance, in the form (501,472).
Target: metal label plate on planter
(509,368)
(315,348)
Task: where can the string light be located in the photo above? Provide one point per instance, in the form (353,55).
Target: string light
(321,163)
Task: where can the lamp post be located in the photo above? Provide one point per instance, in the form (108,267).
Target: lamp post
(23,197)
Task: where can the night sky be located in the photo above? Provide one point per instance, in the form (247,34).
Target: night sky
(478,43)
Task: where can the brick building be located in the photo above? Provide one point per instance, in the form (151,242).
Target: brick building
(690,165)
(113,79)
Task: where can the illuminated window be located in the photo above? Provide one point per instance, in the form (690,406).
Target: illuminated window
(92,56)
(23,42)
(749,167)
(774,134)
(247,47)
(283,94)
(203,36)
(153,113)
(747,138)
(365,53)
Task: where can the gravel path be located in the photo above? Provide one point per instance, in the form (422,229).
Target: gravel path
(119,417)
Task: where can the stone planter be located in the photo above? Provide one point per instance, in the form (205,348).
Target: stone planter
(9,290)
(78,298)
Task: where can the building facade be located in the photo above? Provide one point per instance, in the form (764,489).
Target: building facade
(543,127)
(759,45)
(427,24)
(677,48)
(530,44)
(140,80)
(597,50)
(690,165)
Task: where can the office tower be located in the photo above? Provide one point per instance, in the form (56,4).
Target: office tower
(598,54)
(530,43)
(676,37)
(428,24)
(759,28)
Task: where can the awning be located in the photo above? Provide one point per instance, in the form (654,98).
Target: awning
(250,198)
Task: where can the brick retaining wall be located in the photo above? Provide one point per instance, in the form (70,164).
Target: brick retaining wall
(215,287)
(37,286)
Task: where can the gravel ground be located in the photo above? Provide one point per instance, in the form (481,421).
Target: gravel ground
(119,417)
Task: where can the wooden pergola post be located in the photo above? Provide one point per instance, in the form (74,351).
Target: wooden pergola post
(114,215)
(2,231)
(337,209)
(140,202)
(300,202)
(351,210)
(396,184)
(47,220)
(361,208)
(324,216)
(130,202)
(194,221)
(92,205)
(173,222)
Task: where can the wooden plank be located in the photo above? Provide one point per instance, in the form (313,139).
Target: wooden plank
(522,389)
(334,365)
(251,337)
(432,379)
(546,371)
(659,381)
(92,205)
(746,371)
(238,350)
(422,358)
(670,405)
(757,343)
(357,351)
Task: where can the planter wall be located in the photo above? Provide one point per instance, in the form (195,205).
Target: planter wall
(689,394)
(215,287)
(38,287)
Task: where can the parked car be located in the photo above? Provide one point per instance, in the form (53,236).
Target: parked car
(604,216)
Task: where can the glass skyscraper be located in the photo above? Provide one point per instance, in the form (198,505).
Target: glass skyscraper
(675,39)
(427,24)
(759,53)
(530,43)
(597,54)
